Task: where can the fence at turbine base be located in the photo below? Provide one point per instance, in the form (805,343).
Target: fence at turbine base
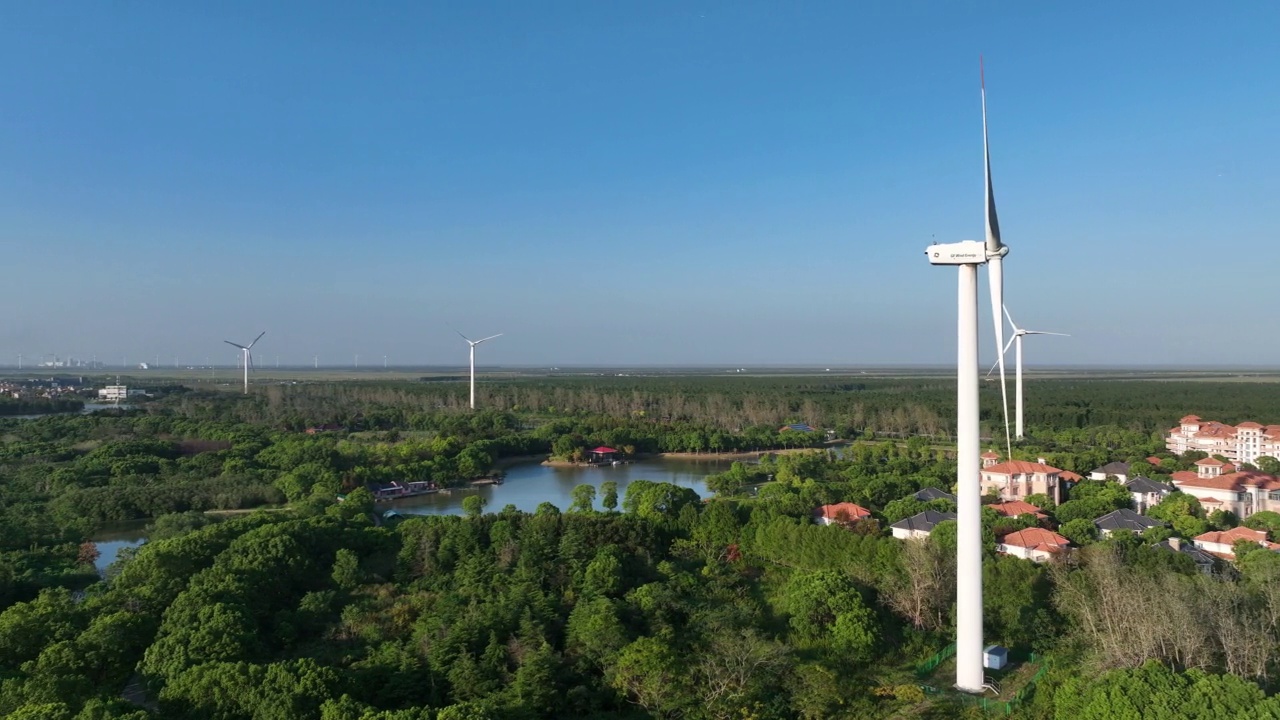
(935,660)
(999,706)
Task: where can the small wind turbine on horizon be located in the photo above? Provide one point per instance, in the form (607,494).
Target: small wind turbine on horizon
(1016,342)
(248,357)
(473,344)
(967,255)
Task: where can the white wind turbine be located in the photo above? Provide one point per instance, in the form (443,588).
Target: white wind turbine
(473,344)
(968,255)
(1016,342)
(248,357)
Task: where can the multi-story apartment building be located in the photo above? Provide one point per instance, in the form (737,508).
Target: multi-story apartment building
(1016,479)
(1219,487)
(1243,443)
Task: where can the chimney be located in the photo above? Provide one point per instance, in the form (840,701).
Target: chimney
(1175,543)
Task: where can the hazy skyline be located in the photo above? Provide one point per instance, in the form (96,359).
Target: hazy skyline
(634,183)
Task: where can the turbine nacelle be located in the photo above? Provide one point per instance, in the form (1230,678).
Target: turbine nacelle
(965,252)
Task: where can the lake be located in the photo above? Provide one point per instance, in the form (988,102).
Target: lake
(114,538)
(529,484)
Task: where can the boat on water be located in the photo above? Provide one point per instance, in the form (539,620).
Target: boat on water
(397,489)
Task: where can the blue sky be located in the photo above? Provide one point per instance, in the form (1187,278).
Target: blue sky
(634,182)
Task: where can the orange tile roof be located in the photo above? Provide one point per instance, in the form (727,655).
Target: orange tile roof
(1153,460)
(1235,481)
(1014,508)
(989,454)
(1190,418)
(1068,475)
(1021,467)
(1034,538)
(1232,536)
(845,510)
(1210,461)
(1250,425)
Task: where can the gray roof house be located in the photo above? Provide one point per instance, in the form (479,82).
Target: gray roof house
(929,493)
(1118,470)
(1125,519)
(1202,558)
(920,524)
(1147,492)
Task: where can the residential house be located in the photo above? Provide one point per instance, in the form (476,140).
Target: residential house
(1125,519)
(1205,562)
(1117,470)
(1147,493)
(1016,479)
(989,458)
(1243,443)
(1035,544)
(920,524)
(842,513)
(930,494)
(1014,508)
(1222,543)
(1217,487)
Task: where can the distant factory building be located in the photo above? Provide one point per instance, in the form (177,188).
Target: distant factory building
(115,393)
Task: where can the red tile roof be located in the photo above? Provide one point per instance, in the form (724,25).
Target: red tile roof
(988,455)
(1035,539)
(1235,481)
(1153,460)
(843,511)
(1190,418)
(1070,476)
(1210,461)
(1014,508)
(1249,424)
(1232,536)
(1021,467)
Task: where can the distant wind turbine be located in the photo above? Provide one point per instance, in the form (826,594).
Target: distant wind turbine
(1016,342)
(473,344)
(248,357)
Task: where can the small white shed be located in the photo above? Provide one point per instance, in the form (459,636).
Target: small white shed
(995,657)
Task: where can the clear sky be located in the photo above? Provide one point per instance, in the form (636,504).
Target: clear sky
(634,182)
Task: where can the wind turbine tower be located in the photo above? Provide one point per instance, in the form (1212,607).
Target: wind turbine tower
(247,357)
(473,344)
(1016,342)
(967,256)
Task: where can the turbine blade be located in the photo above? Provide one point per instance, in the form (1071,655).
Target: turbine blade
(234,344)
(995,268)
(1012,324)
(488,338)
(1042,332)
(464,337)
(995,364)
(255,340)
(993,222)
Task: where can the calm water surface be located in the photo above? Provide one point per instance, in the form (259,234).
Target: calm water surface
(529,484)
(111,540)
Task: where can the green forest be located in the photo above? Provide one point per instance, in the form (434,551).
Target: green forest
(298,598)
